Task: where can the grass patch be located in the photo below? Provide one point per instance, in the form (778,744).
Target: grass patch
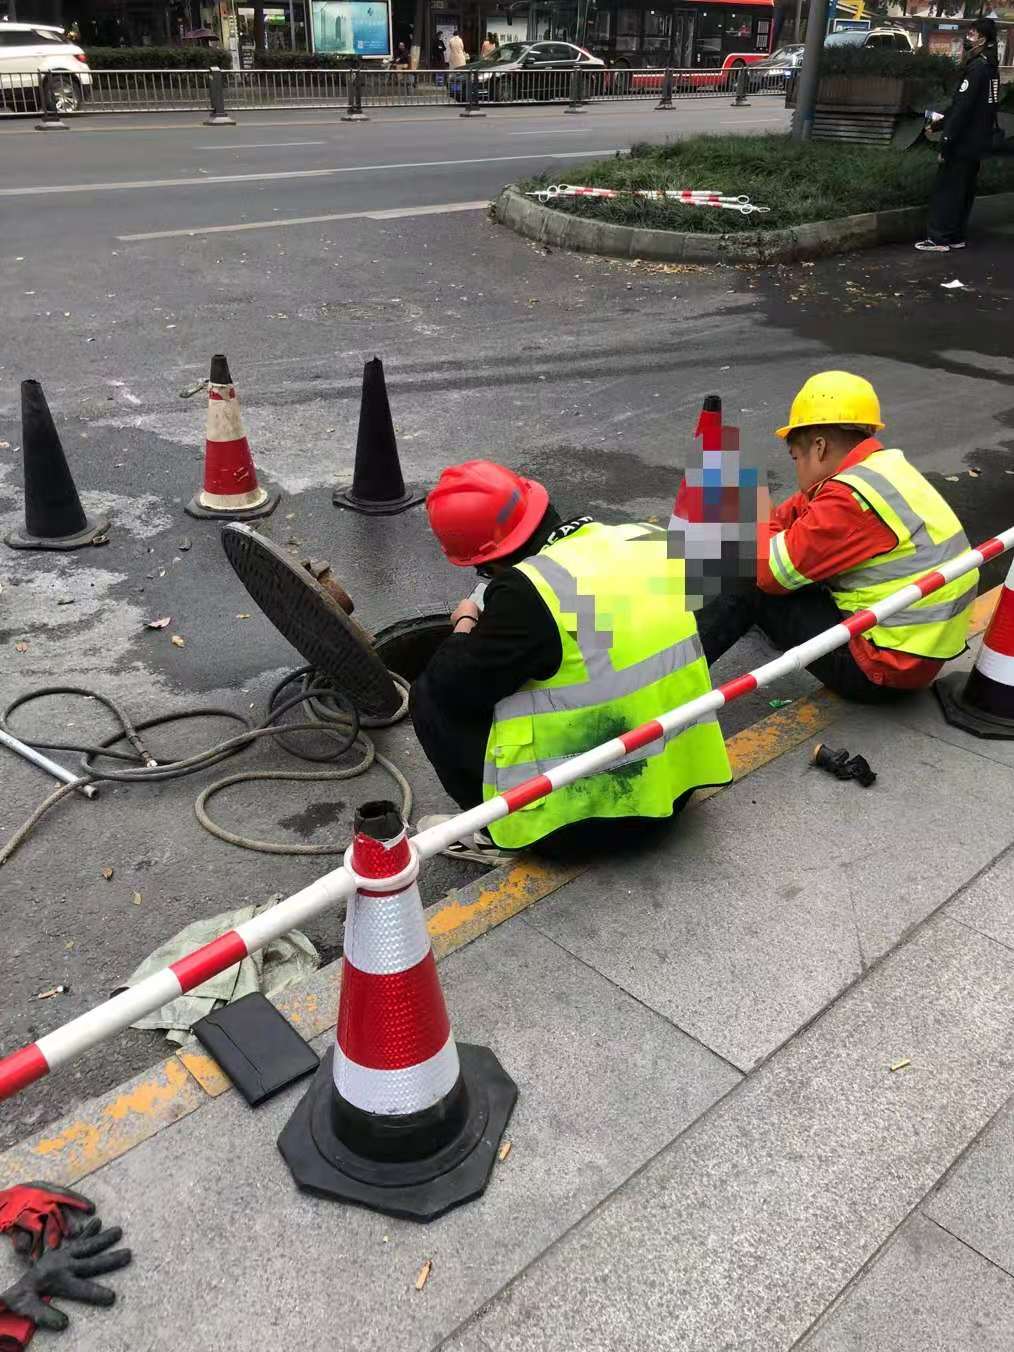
(800,181)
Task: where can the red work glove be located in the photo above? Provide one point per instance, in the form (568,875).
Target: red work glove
(39,1215)
(15,1332)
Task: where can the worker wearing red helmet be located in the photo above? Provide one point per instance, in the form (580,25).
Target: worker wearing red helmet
(581,634)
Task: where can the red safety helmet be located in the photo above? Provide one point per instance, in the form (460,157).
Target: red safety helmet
(480,511)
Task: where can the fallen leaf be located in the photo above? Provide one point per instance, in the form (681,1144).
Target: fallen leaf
(136,898)
(504,1151)
(21,647)
(107,873)
(53,990)
(424,1274)
(159,624)
(176,641)
(900,1065)
(951,478)
(973,473)
(65,600)
(243,615)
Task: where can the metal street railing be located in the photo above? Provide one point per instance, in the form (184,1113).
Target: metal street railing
(154,91)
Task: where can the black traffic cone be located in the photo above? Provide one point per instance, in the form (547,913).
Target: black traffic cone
(54,517)
(378,488)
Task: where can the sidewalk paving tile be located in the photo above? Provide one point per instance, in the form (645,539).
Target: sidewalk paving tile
(923,713)
(229,1256)
(988,904)
(740,1234)
(926,1293)
(977,1202)
(760,907)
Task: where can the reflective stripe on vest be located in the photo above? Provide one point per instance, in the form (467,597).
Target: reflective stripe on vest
(937,627)
(783,570)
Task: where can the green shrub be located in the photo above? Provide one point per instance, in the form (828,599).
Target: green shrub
(934,77)
(801,181)
(301,61)
(157,58)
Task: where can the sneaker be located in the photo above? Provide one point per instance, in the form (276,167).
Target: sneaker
(931,246)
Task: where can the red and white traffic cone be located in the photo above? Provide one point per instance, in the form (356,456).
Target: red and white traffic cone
(231,491)
(985,704)
(399,1117)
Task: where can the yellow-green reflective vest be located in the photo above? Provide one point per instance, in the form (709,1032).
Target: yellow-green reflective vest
(630,652)
(929,534)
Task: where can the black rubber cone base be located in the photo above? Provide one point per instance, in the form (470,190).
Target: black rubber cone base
(194,508)
(345,497)
(949,692)
(20,539)
(419,1190)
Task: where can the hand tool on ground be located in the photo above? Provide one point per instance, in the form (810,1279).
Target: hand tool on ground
(842,766)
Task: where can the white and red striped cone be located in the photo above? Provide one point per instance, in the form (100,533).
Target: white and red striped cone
(984,703)
(231,491)
(399,1118)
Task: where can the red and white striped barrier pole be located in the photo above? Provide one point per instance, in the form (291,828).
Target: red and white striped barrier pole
(54,1049)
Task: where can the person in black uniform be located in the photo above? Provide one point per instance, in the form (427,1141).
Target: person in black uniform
(966,134)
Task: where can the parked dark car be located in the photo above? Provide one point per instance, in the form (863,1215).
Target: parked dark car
(536,71)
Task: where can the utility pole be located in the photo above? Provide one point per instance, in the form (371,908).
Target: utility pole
(816,31)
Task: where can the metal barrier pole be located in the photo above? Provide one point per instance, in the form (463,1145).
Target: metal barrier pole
(354,112)
(51,120)
(472,108)
(740,101)
(665,102)
(574,106)
(218,117)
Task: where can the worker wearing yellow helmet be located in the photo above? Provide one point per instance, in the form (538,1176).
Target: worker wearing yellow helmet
(863,524)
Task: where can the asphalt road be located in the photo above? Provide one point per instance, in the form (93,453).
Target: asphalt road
(585,372)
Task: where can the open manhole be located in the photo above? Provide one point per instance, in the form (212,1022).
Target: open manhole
(407,646)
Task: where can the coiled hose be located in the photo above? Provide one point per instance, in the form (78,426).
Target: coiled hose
(334,713)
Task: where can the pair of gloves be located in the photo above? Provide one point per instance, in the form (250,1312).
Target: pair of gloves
(57,1232)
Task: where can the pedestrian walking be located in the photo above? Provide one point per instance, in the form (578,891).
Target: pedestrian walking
(438,52)
(456,54)
(488,47)
(966,134)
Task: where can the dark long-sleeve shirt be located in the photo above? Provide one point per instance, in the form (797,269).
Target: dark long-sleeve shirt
(967,129)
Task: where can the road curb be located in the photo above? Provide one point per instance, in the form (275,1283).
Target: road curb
(546,225)
(108,1127)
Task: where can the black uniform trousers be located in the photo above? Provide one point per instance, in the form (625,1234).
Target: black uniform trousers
(952,199)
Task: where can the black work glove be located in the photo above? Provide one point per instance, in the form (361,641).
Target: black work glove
(65,1272)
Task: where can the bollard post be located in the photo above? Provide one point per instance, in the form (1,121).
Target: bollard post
(217,117)
(740,101)
(574,106)
(472,108)
(354,112)
(665,102)
(51,120)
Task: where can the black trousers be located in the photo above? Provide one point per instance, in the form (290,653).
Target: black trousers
(457,751)
(788,620)
(951,200)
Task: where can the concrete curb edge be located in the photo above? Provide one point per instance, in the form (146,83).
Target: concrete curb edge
(547,226)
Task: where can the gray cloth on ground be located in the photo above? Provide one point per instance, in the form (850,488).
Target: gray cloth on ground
(282,963)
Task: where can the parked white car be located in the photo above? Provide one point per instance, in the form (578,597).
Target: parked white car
(29,50)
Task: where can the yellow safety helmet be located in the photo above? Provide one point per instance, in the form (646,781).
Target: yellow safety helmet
(834,399)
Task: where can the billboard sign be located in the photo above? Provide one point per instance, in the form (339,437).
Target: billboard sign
(851,25)
(351,27)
